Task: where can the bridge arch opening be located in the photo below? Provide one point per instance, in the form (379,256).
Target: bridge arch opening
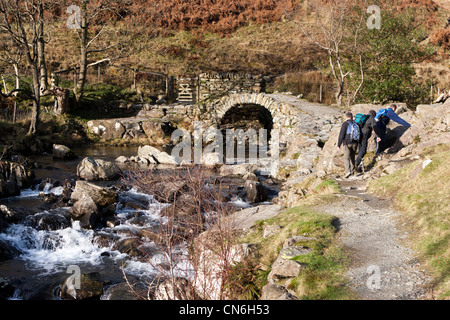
(247,116)
(241,127)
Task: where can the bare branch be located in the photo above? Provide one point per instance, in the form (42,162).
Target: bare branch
(102,49)
(95,37)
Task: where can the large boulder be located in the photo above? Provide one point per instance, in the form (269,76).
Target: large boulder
(15,175)
(274,291)
(429,127)
(212,159)
(129,246)
(7,251)
(92,204)
(237,169)
(9,189)
(212,264)
(160,157)
(133,129)
(49,221)
(331,158)
(8,216)
(86,211)
(62,152)
(157,130)
(246,218)
(102,197)
(87,286)
(91,169)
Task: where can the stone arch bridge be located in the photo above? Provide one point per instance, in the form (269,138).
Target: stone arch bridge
(285,113)
(272,114)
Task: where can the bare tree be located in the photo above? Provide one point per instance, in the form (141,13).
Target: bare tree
(88,12)
(332,28)
(41,42)
(23,22)
(11,55)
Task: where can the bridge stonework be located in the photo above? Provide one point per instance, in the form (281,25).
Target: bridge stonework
(283,114)
(208,86)
(280,111)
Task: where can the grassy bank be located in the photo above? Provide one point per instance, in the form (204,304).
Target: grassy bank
(322,278)
(423,195)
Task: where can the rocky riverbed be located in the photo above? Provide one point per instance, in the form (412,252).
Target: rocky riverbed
(77,215)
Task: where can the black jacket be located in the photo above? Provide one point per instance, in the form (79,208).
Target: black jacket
(369,125)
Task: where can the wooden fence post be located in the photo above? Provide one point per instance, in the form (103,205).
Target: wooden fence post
(321,92)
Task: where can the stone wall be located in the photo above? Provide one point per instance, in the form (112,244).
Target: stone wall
(215,85)
(209,86)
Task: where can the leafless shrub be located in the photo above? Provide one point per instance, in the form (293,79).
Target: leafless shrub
(196,236)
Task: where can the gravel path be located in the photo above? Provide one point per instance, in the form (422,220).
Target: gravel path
(383,267)
(311,108)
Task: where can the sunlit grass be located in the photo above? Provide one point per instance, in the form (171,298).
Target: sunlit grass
(322,277)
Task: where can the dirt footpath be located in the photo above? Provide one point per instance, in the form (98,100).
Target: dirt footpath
(383,267)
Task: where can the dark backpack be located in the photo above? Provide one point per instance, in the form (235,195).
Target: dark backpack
(361,119)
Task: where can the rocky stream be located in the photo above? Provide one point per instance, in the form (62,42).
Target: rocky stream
(46,239)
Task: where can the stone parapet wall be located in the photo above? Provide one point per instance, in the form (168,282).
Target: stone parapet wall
(210,86)
(215,85)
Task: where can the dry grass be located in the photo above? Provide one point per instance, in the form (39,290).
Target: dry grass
(308,84)
(269,49)
(261,43)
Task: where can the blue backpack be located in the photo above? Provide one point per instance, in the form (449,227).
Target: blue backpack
(353,132)
(381,114)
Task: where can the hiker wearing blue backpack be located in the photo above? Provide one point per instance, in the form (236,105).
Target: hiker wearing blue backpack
(382,119)
(349,138)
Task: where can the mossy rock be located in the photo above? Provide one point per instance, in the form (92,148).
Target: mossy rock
(292,252)
(90,287)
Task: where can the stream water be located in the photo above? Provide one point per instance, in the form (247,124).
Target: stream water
(46,257)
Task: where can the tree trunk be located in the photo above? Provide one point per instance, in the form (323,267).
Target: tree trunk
(16,72)
(79,86)
(36,101)
(81,81)
(61,101)
(42,67)
(5,88)
(339,93)
(41,59)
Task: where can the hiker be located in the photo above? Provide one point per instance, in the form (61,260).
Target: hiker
(349,138)
(382,119)
(367,126)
